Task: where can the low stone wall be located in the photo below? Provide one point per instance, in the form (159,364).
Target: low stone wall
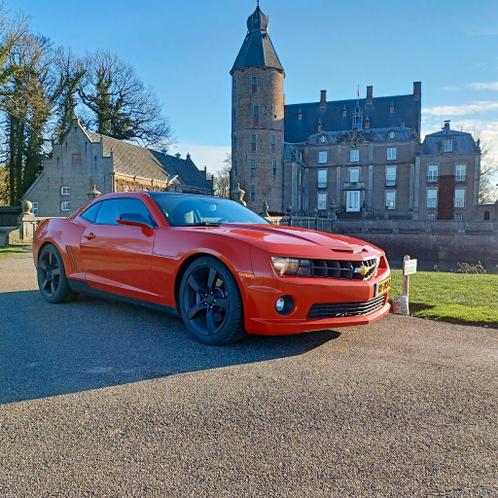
(426,240)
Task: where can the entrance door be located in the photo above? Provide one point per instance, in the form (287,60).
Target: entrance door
(446,198)
(353,201)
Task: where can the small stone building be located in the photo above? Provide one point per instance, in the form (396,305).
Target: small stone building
(85,159)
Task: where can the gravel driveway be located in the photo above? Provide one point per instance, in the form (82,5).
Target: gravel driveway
(107,399)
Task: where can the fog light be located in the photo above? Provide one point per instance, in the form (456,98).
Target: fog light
(284,305)
(280,304)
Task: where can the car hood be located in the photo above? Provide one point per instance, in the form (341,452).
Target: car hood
(294,241)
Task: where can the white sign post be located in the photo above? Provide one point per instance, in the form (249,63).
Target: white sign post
(401,305)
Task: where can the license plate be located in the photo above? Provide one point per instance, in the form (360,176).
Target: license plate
(383,286)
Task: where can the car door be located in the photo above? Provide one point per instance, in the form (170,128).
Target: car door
(117,258)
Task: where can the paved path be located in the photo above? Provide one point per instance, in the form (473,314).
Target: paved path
(404,407)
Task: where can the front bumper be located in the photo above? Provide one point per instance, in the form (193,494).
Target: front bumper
(261,294)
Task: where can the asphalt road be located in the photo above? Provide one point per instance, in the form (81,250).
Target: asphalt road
(405,407)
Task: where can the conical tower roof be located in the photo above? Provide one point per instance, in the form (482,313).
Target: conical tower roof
(257,49)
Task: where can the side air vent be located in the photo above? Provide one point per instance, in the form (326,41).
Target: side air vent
(72,259)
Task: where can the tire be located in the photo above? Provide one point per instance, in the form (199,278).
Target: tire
(210,303)
(52,281)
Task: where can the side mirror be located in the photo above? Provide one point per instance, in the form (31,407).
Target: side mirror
(136,220)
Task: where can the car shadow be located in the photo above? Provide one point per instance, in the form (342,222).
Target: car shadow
(47,350)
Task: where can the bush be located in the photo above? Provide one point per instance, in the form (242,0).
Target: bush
(471,268)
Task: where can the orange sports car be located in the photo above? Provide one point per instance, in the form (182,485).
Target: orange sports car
(225,270)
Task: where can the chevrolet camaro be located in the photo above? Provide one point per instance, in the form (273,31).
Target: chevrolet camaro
(225,270)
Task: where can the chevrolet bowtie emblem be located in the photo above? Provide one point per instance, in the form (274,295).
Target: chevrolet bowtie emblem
(362,270)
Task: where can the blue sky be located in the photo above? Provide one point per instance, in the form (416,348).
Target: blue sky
(185,49)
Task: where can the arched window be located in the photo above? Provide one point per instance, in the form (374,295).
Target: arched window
(486,216)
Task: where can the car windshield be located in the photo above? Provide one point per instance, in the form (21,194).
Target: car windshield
(192,210)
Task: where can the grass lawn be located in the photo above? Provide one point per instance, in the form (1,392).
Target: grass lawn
(452,297)
(10,250)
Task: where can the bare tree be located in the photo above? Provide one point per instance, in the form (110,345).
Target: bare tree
(489,174)
(121,105)
(221,180)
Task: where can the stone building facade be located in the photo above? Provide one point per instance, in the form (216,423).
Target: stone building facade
(362,157)
(84,161)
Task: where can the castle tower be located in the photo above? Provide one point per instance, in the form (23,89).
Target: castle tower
(258,118)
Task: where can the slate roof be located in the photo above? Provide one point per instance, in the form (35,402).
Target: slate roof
(257,49)
(463,142)
(133,160)
(367,134)
(407,112)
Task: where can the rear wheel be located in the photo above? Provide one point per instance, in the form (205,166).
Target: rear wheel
(210,303)
(52,280)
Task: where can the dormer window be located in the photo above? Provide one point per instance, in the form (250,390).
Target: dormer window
(300,115)
(323,139)
(344,112)
(392,108)
(357,119)
(447,145)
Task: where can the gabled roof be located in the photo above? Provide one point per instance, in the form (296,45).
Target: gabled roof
(463,142)
(406,113)
(257,49)
(133,160)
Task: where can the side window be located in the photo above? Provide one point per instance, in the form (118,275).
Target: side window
(91,213)
(112,209)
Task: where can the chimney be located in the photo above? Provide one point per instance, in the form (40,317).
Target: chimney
(447,124)
(188,156)
(417,91)
(323,98)
(178,155)
(370,90)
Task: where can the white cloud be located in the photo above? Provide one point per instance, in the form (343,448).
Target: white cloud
(212,156)
(461,109)
(489,85)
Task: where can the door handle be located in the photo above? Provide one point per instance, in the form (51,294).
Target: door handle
(90,236)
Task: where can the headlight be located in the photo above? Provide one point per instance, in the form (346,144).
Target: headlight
(291,266)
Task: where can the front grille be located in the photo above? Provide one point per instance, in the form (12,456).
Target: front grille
(337,310)
(353,270)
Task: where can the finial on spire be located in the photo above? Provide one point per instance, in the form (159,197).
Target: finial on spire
(257,2)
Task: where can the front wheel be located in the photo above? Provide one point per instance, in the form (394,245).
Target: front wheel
(210,303)
(52,280)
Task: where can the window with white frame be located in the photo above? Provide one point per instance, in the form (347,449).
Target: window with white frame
(432,172)
(253,193)
(322,157)
(459,216)
(322,178)
(447,145)
(66,206)
(390,200)
(34,209)
(354,175)
(354,155)
(392,153)
(321,201)
(459,197)
(65,190)
(390,176)
(353,201)
(431,216)
(432,198)
(460,172)
(273,143)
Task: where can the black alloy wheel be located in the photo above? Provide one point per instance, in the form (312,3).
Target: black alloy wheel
(210,302)
(52,280)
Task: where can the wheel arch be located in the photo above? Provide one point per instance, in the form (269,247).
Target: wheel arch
(191,258)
